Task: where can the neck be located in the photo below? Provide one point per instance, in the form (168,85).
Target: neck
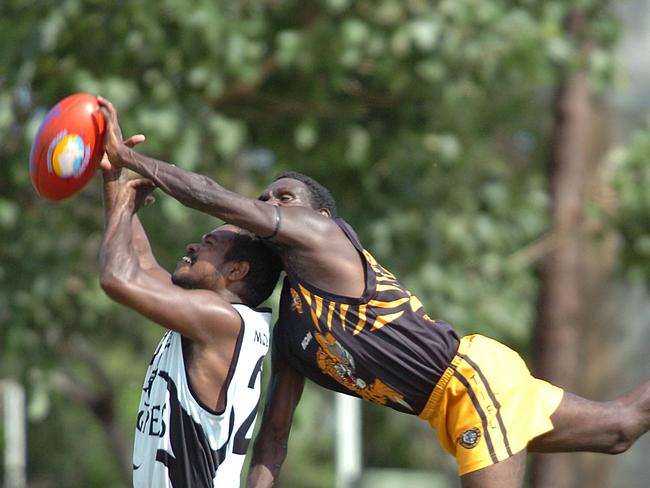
(231,296)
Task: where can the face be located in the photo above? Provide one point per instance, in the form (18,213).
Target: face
(287,192)
(203,265)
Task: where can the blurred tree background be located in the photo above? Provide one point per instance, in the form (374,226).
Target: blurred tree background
(469,142)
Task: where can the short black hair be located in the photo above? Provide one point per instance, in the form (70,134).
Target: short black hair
(319,195)
(265,266)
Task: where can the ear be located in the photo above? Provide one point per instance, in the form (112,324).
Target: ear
(238,270)
(325,212)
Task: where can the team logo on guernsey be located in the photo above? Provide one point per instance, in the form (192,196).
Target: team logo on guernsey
(296,303)
(470,438)
(336,362)
(342,363)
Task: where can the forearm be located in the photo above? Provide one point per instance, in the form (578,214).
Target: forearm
(141,245)
(118,261)
(201,193)
(269,453)
(139,242)
(271,444)
(191,189)
(111,181)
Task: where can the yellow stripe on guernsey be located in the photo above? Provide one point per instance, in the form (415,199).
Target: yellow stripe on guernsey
(315,313)
(330,312)
(381,278)
(391,304)
(362,319)
(386,319)
(306,294)
(385,282)
(388,287)
(416,304)
(383,273)
(344,311)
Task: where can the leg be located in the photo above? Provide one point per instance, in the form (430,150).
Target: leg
(609,427)
(505,474)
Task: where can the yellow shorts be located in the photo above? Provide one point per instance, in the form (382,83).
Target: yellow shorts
(487,406)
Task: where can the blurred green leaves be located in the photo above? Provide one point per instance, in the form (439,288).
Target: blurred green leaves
(429,121)
(631,214)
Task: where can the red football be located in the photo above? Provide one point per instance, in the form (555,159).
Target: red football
(68,147)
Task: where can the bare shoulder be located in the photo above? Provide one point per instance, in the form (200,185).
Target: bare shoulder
(305,228)
(214,319)
(317,250)
(200,315)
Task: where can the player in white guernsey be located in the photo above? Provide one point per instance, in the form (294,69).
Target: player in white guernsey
(173,422)
(202,388)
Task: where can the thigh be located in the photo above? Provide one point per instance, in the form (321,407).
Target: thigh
(491,407)
(505,474)
(516,407)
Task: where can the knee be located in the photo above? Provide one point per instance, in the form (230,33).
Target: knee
(619,447)
(633,420)
(622,440)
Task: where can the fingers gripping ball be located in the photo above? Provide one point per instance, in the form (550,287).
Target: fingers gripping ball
(68,147)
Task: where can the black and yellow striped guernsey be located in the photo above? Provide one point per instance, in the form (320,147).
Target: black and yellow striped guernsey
(381,347)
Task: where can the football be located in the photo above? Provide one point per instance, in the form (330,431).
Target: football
(68,147)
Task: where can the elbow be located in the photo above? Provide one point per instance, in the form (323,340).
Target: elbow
(272,444)
(112,285)
(266,463)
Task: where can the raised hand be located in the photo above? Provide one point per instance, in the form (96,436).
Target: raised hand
(114,146)
(135,194)
(105,163)
(114,177)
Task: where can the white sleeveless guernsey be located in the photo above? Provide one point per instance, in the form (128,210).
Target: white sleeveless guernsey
(179,441)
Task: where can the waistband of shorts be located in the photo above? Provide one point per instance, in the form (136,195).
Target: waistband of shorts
(436,395)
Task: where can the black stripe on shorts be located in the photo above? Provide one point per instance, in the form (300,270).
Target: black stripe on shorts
(481,414)
(496,403)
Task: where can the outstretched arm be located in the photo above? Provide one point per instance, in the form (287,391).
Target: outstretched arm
(331,263)
(270,448)
(299,228)
(191,189)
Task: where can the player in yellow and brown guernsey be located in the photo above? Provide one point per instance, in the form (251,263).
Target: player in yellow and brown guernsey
(347,324)
(381,346)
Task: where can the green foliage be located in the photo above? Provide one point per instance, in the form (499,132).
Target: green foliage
(75,432)
(632,216)
(312,435)
(428,120)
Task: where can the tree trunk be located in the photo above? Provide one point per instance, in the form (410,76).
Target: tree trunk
(558,330)
(567,296)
